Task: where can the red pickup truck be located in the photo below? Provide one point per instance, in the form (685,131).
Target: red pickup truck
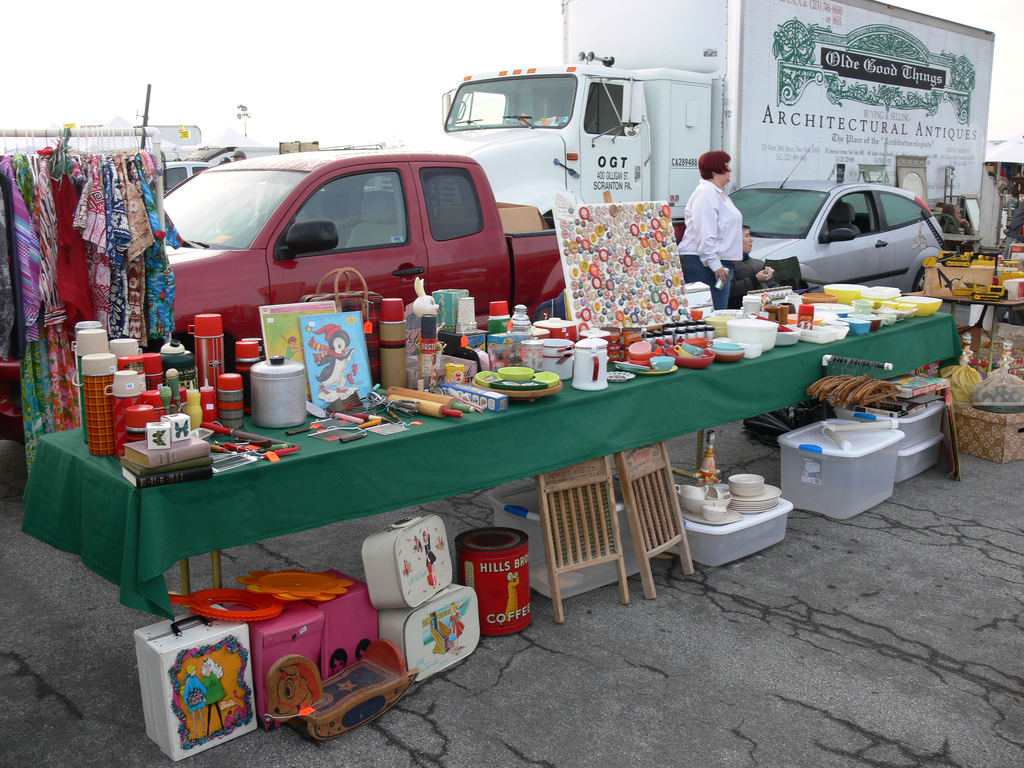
(264,231)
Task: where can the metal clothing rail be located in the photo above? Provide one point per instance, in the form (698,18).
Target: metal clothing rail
(101,134)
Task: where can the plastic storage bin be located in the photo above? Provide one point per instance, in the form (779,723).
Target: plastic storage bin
(917,427)
(916,458)
(720,544)
(819,476)
(572,583)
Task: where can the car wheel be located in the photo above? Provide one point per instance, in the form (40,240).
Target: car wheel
(918,284)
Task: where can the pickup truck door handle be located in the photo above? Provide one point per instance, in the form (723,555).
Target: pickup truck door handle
(880,244)
(409,271)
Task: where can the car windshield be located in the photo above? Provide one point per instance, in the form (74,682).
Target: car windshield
(228,209)
(513,102)
(778,213)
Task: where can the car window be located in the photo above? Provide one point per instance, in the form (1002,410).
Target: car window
(898,210)
(173,176)
(367,208)
(778,213)
(864,218)
(453,208)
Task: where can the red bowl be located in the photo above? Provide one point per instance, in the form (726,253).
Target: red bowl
(686,361)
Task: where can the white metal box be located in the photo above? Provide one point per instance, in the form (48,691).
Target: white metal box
(720,544)
(407,563)
(819,476)
(917,427)
(915,459)
(526,518)
(196,680)
(436,634)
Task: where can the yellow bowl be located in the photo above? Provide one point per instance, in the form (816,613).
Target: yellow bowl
(926,305)
(845,293)
(515,373)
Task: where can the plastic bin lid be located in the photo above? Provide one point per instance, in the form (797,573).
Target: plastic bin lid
(862,442)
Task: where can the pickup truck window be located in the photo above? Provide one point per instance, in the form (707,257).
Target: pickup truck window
(453,207)
(227,209)
(367,208)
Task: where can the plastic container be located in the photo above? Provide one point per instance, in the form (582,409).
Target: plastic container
(916,458)
(720,544)
(519,508)
(753,331)
(819,476)
(918,427)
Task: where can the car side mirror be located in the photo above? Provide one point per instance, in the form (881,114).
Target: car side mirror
(308,237)
(837,235)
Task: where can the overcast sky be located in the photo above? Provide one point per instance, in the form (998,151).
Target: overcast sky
(334,72)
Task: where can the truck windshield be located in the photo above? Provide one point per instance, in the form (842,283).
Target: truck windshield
(778,213)
(540,101)
(227,209)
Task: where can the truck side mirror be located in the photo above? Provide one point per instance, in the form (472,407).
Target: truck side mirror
(308,237)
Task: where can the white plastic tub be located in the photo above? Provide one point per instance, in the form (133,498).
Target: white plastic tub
(523,498)
(917,427)
(720,544)
(819,476)
(916,458)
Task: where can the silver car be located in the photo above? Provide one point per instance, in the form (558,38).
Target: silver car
(868,234)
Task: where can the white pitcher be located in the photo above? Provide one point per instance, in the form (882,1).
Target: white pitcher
(558,357)
(590,364)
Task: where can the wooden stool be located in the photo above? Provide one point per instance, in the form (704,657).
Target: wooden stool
(652,508)
(579,524)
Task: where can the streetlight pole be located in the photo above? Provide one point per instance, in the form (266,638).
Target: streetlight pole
(243,115)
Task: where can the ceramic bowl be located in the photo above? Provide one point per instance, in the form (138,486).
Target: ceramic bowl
(844,292)
(662,362)
(818,298)
(685,349)
(926,305)
(726,352)
(706,358)
(691,497)
(874,320)
(515,373)
(751,331)
(857,326)
(640,351)
(547,377)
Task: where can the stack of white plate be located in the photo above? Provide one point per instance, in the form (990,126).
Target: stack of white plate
(751,495)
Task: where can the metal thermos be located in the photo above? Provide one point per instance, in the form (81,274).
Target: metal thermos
(278,393)
(208,331)
(392,343)
(173,354)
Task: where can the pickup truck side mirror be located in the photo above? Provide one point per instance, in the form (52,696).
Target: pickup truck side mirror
(837,235)
(308,237)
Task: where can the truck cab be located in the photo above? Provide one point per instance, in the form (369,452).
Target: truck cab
(583,130)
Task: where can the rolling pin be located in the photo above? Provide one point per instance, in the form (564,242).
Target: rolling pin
(427,407)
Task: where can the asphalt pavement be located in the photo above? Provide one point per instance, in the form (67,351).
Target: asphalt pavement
(891,638)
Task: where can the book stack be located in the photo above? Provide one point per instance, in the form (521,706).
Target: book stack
(185,460)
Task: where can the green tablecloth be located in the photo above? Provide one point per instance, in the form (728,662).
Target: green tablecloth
(80,503)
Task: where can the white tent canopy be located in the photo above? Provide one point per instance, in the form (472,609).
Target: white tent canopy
(1011,151)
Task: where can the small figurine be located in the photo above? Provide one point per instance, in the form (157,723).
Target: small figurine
(709,474)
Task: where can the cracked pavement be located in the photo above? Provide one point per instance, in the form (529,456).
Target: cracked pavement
(892,638)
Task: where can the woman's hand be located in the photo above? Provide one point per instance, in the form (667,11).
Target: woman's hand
(765,274)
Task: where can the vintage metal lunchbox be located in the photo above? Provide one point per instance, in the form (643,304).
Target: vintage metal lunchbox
(440,632)
(196,681)
(407,563)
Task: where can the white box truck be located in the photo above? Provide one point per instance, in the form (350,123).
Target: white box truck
(859,89)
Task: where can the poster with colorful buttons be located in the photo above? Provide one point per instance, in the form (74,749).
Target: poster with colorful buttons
(620,263)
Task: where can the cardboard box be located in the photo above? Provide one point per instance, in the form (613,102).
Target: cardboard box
(520,218)
(934,286)
(998,437)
